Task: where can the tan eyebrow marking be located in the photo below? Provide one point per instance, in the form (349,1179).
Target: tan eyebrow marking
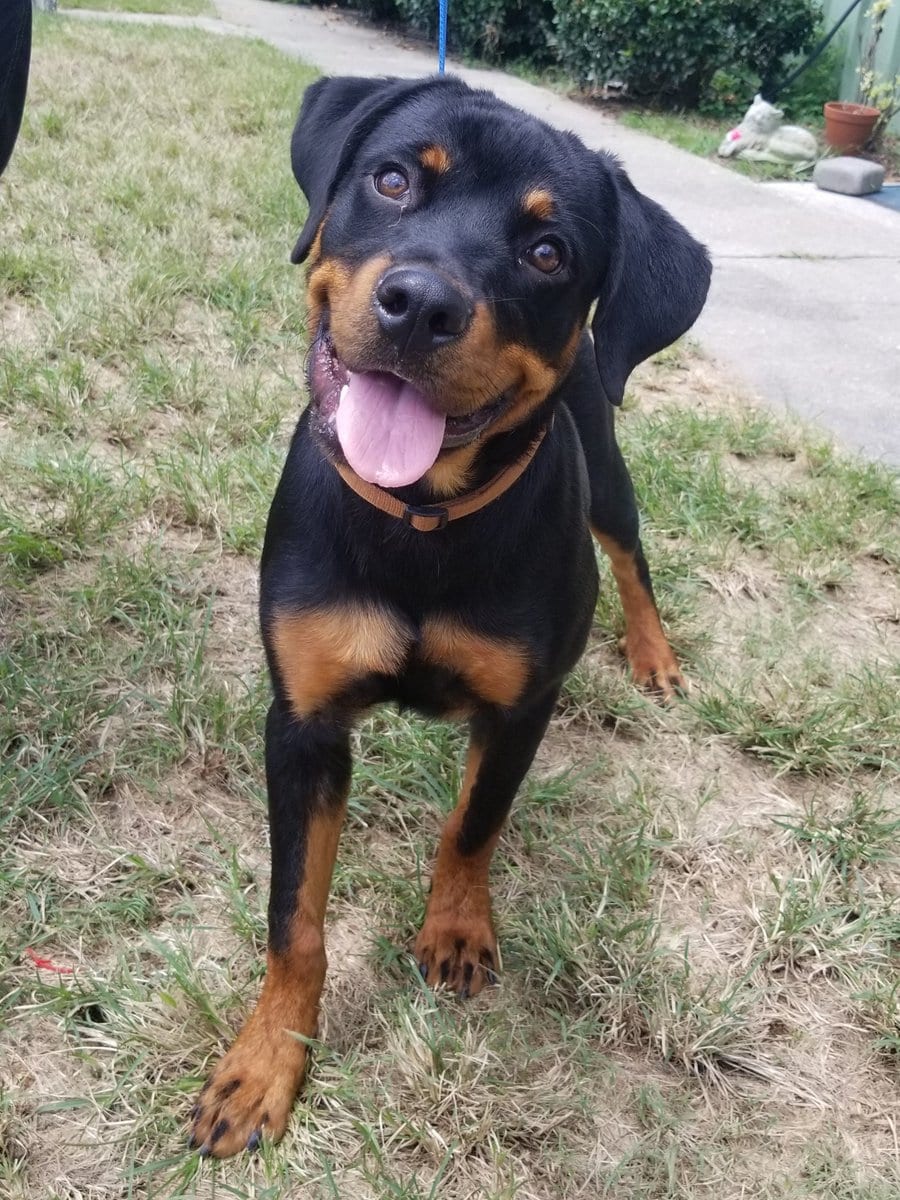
(539,204)
(435,158)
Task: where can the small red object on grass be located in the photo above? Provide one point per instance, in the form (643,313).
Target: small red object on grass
(47,964)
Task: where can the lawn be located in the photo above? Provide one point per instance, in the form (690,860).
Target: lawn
(697,905)
(188,8)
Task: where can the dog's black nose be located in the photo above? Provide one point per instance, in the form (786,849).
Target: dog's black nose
(420,310)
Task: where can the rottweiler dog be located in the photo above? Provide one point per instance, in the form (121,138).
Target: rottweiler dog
(430,539)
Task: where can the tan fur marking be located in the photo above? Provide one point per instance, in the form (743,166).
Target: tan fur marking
(452,472)
(652,662)
(495,669)
(539,205)
(321,652)
(435,158)
(315,250)
(354,325)
(327,278)
(255,1084)
(512,369)
(479,368)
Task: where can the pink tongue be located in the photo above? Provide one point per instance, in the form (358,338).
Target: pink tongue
(387,429)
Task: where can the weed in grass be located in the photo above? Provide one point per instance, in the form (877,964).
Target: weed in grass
(26,551)
(74,503)
(830,1173)
(801,921)
(43,397)
(866,832)
(880,1007)
(31,272)
(164,384)
(849,723)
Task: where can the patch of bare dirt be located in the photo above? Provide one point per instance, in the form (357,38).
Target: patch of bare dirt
(19,326)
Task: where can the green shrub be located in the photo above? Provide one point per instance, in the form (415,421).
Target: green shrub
(729,92)
(671,50)
(711,54)
(767,34)
(495,30)
(375,10)
(803,100)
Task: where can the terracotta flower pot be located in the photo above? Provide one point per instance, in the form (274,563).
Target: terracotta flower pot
(848,126)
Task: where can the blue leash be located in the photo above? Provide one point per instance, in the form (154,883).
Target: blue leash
(442,35)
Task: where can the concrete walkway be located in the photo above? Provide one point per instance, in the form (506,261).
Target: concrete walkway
(805,303)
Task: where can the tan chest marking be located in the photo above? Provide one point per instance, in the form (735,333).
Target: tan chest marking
(495,669)
(321,652)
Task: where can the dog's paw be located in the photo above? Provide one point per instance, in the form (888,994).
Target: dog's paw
(460,954)
(654,666)
(249,1096)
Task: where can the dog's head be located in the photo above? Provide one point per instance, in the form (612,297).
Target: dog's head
(455,248)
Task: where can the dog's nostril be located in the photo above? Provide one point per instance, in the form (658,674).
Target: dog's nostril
(395,301)
(439,322)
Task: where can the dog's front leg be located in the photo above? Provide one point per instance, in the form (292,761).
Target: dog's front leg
(457,945)
(250,1093)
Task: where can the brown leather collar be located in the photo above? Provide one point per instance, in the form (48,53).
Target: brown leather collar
(426,518)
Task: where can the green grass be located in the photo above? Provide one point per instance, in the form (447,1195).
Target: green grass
(697,906)
(187,8)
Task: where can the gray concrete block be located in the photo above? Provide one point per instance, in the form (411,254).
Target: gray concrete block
(850,176)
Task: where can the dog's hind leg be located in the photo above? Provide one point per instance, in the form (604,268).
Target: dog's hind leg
(615,525)
(457,945)
(651,658)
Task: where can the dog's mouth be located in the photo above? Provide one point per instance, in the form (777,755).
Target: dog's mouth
(389,430)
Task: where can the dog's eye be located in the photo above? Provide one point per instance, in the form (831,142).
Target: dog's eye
(391,182)
(546,256)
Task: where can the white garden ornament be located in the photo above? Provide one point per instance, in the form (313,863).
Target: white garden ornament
(762,138)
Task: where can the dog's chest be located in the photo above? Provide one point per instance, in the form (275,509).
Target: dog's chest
(366,653)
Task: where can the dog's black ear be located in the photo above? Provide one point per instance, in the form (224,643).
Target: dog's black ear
(331,123)
(655,287)
(335,117)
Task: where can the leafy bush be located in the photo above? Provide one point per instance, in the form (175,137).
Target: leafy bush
(803,100)
(769,33)
(495,30)
(729,92)
(672,49)
(372,10)
(707,53)
(375,10)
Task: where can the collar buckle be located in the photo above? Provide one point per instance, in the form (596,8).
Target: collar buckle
(413,514)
